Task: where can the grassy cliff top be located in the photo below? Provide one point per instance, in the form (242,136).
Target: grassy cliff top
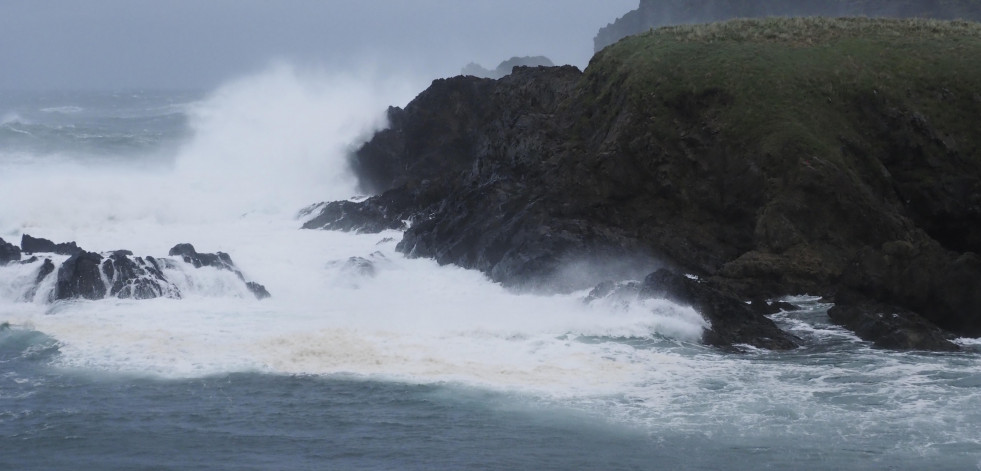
(813,30)
(796,81)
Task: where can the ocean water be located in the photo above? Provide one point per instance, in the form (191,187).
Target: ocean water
(417,366)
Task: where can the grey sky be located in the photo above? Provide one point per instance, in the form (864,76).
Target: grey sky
(200,43)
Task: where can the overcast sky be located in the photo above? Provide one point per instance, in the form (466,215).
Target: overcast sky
(109,44)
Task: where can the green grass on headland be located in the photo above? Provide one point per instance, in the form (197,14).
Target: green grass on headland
(796,83)
(817,29)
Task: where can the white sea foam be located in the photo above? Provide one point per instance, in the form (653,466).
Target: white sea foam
(266,146)
(10,117)
(262,148)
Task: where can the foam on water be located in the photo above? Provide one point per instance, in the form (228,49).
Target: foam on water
(260,149)
(264,147)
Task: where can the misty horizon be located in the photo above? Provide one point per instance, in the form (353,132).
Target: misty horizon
(184,44)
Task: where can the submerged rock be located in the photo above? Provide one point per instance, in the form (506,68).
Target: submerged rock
(221,261)
(733,321)
(889,326)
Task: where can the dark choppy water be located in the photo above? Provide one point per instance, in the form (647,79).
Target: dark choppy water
(416,367)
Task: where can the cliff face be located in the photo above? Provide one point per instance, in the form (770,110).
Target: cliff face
(774,157)
(656,13)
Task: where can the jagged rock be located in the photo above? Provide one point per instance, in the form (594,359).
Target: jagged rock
(79,277)
(221,261)
(350,216)
(258,290)
(8,252)
(136,278)
(30,244)
(733,321)
(888,326)
(119,274)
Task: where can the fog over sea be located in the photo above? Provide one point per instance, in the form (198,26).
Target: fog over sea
(416,366)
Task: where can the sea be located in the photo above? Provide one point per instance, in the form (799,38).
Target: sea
(407,366)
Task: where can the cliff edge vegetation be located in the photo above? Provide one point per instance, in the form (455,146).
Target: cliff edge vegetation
(835,157)
(657,13)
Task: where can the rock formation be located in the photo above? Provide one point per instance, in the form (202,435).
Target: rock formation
(221,261)
(33,245)
(767,157)
(118,274)
(8,253)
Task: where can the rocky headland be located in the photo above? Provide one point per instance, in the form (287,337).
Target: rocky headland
(764,158)
(656,13)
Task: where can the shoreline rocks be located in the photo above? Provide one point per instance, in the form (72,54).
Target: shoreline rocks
(117,274)
(779,177)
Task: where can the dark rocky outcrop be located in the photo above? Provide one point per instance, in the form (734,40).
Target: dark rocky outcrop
(79,277)
(221,261)
(656,13)
(136,278)
(888,326)
(118,274)
(767,157)
(88,275)
(504,68)
(30,244)
(733,322)
(8,252)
